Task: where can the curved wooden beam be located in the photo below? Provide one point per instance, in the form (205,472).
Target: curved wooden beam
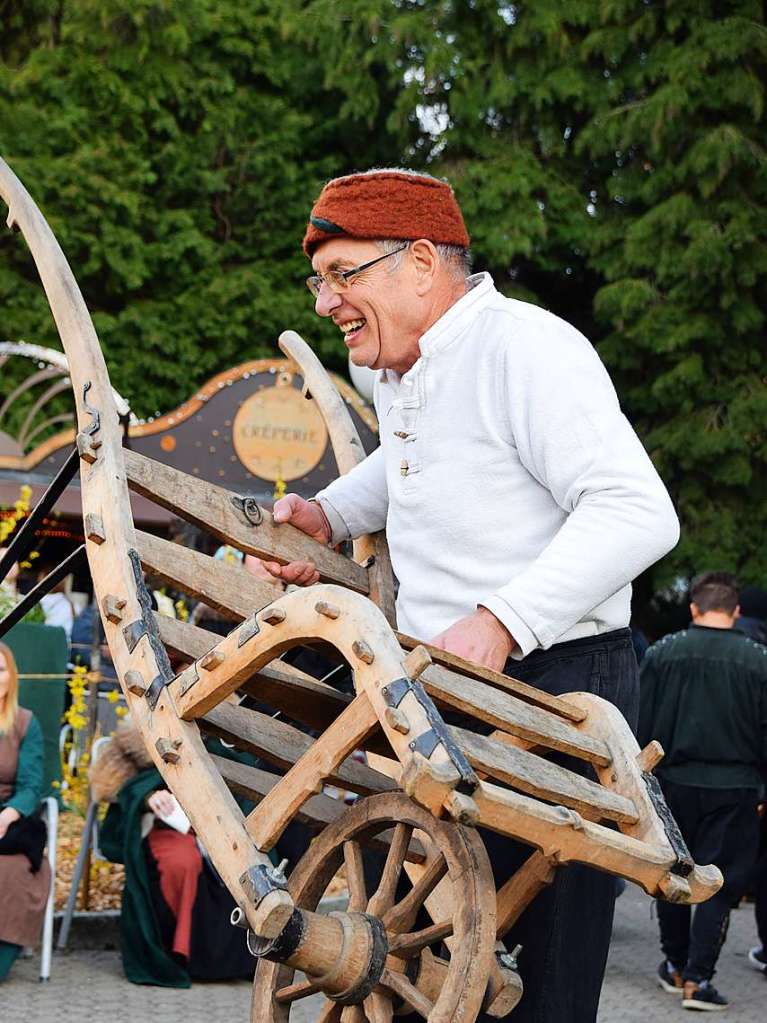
(175,746)
(372,551)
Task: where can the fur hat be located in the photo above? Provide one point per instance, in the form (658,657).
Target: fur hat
(119,760)
(386,204)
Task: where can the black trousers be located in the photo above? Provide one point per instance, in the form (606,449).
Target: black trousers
(565,932)
(760,886)
(720,826)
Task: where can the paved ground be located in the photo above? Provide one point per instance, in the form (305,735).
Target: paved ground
(88,986)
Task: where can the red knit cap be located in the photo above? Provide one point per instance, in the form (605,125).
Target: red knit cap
(386,204)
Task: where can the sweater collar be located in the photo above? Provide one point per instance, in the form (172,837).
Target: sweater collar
(480,291)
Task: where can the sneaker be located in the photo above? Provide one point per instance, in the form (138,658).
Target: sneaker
(669,978)
(758,958)
(702,996)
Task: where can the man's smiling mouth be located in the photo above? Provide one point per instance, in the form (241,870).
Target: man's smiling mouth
(351,328)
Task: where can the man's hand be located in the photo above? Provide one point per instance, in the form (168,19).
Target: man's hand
(478,637)
(7,817)
(309,517)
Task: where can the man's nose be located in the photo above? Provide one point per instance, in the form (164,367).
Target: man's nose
(327,301)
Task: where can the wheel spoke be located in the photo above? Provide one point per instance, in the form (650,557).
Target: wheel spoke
(383,898)
(379,1007)
(291,993)
(402,916)
(353,1014)
(400,985)
(406,946)
(355,877)
(330,1013)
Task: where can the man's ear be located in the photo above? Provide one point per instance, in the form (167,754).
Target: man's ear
(694,611)
(736,613)
(426,261)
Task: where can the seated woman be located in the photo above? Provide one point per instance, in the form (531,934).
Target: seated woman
(25,876)
(174,922)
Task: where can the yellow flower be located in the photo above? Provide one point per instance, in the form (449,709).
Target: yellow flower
(113,696)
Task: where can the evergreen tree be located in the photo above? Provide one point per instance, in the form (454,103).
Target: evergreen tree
(609,158)
(608,155)
(175,149)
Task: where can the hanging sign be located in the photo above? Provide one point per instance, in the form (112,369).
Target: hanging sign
(279,434)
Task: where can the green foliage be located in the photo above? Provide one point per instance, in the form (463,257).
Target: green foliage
(608,154)
(174,149)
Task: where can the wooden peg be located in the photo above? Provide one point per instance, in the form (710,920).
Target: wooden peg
(112,607)
(397,720)
(94,528)
(87,447)
(417,661)
(462,808)
(211,660)
(328,610)
(649,758)
(134,683)
(168,750)
(675,888)
(273,615)
(363,651)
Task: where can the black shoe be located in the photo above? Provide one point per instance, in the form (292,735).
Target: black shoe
(702,996)
(669,978)
(758,958)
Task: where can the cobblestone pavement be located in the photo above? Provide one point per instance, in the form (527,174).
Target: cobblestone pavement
(89,987)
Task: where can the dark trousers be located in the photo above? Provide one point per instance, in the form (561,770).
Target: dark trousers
(760,885)
(720,826)
(565,932)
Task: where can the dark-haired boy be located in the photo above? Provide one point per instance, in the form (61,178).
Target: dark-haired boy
(703,696)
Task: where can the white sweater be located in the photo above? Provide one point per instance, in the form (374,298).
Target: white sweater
(507,477)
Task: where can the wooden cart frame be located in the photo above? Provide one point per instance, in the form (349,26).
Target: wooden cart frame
(425,785)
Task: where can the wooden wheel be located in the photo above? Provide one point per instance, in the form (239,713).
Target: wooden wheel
(405,967)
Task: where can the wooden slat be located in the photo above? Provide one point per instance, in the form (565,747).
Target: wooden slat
(282,745)
(233,587)
(538,777)
(229,589)
(303,698)
(280,685)
(289,690)
(210,507)
(566,837)
(348,452)
(496,679)
(320,810)
(519,891)
(320,761)
(504,711)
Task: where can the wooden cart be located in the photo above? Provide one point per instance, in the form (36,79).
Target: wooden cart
(425,785)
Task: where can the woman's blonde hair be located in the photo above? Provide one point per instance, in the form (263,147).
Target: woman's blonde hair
(10,709)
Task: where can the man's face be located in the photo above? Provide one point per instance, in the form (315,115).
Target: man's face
(380,313)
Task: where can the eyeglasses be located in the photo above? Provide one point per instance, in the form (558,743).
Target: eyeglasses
(338,280)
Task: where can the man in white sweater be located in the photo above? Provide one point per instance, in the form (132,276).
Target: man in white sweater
(518,501)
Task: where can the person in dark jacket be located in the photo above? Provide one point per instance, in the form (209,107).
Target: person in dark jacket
(703,696)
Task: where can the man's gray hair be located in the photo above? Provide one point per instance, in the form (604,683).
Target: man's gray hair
(457,260)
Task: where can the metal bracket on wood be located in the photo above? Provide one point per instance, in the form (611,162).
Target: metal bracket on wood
(685,864)
(248,630)
(250,509)
(87,442)
(394,693)
(146,626)
(260,881)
